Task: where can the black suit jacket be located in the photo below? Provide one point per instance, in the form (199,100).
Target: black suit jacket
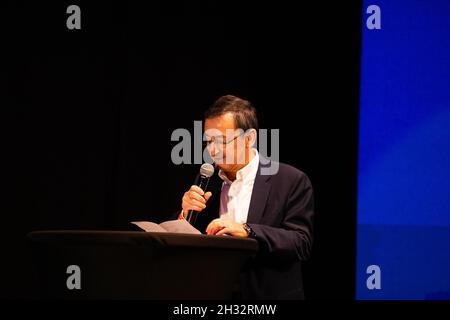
(281,215)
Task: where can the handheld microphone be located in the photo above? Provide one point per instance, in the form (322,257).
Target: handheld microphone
(206,171)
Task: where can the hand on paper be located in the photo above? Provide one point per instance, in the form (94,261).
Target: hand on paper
(222,226)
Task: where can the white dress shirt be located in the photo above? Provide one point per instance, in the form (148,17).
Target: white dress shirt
(236,195)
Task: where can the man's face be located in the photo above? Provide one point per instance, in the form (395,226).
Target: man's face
(227,146)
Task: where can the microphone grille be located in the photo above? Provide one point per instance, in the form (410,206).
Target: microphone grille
(207,170)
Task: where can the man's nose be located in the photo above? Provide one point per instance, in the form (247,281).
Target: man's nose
(212,149)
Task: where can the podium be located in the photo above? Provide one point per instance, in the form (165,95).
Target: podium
(137,265)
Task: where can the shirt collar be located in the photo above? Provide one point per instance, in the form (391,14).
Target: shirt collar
(246,173)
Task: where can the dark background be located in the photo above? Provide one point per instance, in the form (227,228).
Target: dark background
(87,115)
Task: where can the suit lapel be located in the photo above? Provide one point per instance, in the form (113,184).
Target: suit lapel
(216,188)
(260,193)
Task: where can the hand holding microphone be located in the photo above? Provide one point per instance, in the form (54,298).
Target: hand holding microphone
(194,200)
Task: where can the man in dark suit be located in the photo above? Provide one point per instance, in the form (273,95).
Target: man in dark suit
(248,198)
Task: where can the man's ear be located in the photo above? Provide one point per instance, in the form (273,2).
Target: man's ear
(250,139)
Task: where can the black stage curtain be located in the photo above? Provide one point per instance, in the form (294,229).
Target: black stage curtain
(87,115)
